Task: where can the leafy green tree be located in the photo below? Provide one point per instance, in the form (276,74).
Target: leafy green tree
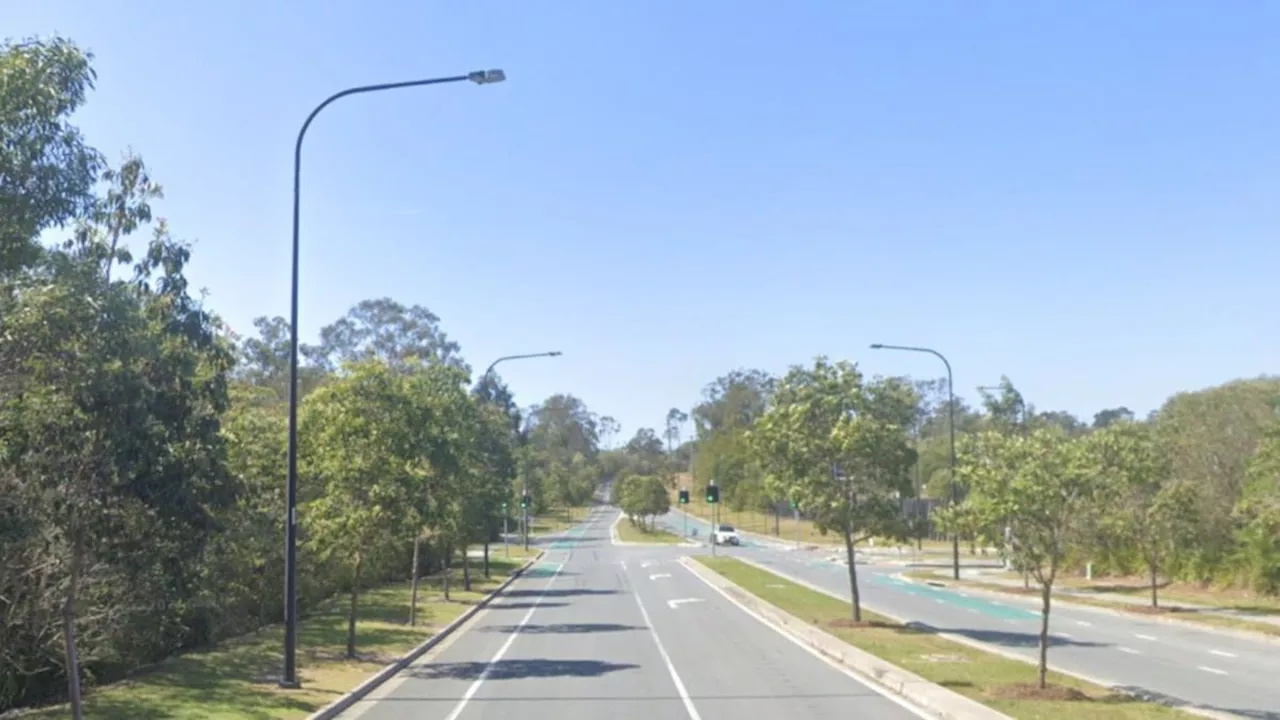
(47,171)
(1036,495)
(838,446)
(1145,509)
(112,434)
(1257,516)
(1105,418)
(356,458)
(387,330)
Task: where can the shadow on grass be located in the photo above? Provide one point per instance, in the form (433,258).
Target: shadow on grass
(562,629)
(516,669)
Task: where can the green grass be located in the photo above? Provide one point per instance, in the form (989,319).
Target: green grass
(998,682)
(1189,615)
(555,520)
(630,532)
(236,679)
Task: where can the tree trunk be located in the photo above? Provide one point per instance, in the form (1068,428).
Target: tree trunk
(413,594)
(853,577)
(1044,635)
(355,603)
(448,568)
(466,567)
(1155,572)
(486,560)
(69,631)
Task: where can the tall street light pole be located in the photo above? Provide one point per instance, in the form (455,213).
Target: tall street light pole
(289,678)
(951,416)
(524,489)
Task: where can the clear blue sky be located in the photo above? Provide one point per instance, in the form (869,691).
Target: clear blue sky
(1082,196)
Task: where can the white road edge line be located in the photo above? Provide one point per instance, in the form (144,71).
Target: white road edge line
(1129,650)
(671,668)
(1221,653)
(475,686)
(1215,671)
(875,687)
(1140,636)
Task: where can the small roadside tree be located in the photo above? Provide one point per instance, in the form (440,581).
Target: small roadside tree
(1147,510)
(1045,488)
(839,447)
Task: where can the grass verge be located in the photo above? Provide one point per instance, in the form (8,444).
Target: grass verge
(630,532)
(1001,683)
(237,678)
(554,521)
(1182,614)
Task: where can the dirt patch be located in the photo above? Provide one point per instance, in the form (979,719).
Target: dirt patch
(1162,610)
(1027,691)
(850,623)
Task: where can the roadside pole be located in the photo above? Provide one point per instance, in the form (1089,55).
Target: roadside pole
(795,512)
(506,546)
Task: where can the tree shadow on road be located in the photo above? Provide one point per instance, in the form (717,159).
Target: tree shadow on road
(1007,639)
(524,605)
(567,592)
(1171,701)
(563,628)
(516,669)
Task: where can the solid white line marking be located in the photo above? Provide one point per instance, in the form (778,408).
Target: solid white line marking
(1129,650)
(897,699)
(673,604)
(646,563)
(671,668)
(475,686)
(1084,623)
(1065,635)
(1215,671)
(659,575)
(1221,653)
(1140,636)
(623,563)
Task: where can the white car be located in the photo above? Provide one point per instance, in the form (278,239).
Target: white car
(725,535)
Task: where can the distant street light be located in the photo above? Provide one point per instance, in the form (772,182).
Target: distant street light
(289,678)
(524,488)
(951,414)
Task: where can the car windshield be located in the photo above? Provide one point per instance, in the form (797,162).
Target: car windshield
(726,528)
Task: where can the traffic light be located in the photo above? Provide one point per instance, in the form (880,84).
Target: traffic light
(794,505)
(524,500)
(713,494)
(684,497)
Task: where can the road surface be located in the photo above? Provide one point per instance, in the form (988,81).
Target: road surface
(1178,663)
(624,633)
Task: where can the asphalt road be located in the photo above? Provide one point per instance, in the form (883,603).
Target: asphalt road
(1174,662)
(603,631)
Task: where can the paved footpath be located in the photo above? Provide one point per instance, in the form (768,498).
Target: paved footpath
(624,633)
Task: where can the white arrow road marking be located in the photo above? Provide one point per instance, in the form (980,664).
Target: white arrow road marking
(681,601)
(659,575)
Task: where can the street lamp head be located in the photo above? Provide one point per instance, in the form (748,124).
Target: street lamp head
(877,346)
(554,353)
(486,77)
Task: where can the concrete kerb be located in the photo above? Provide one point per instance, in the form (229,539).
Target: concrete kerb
(1060,600)
(933,698)
(343,703)
(1008,654)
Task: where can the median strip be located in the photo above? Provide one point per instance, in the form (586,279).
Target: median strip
(935,663)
